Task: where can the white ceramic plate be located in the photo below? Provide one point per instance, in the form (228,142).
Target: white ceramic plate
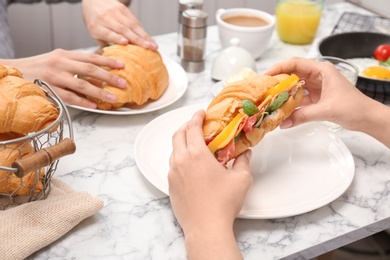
(295,170)
(178,83)
(217,87)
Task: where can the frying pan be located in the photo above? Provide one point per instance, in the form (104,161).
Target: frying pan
(359,45)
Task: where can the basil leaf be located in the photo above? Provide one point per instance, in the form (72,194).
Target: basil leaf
(385,63)
(278,102)
(249,108)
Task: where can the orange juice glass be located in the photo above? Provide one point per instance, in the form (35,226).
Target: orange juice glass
(297,20)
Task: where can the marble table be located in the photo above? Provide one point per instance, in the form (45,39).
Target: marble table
(137,221)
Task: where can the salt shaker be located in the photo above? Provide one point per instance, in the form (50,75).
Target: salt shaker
(193,40)
(185,5)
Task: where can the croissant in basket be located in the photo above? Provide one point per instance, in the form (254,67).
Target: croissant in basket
(24,107)
(145,72)
(9,182)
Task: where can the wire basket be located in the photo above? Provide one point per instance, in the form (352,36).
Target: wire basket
(28,178)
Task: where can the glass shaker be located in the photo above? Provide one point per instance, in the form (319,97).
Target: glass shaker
(185,5)
(193,40)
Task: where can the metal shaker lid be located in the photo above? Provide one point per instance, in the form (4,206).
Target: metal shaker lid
(195,18)
(190,4)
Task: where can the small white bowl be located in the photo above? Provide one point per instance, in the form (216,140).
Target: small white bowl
(231,60)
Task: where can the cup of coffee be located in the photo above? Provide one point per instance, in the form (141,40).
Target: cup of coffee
(251,26)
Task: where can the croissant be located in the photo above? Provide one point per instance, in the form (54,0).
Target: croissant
(9,182)
(23,107)
(7,70)
(145,72)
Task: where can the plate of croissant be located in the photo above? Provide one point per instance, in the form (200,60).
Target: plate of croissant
(154,81)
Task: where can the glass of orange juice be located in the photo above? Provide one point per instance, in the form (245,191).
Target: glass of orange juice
(297,20)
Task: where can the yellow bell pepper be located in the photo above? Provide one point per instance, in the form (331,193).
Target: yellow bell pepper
(292,80)
(226,135)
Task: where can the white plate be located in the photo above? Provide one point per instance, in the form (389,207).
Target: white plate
(295,170)
(178,83)
(217,87)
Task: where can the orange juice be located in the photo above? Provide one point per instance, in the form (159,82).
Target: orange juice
(297,20)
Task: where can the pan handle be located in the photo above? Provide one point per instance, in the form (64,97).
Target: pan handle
(44,157)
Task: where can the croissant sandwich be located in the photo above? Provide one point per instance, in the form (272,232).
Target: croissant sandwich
(245,110)
(145,72)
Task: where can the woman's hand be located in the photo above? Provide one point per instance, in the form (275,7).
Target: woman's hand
(206,197)
(330,97)
(59,67)
(110,21)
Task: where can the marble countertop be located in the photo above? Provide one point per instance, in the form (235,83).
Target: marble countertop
(137,221)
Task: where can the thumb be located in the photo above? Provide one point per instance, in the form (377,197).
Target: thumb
(241,163)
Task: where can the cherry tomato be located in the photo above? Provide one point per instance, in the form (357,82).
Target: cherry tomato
(382,52)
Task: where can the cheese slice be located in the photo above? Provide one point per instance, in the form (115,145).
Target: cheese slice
(226,135)
(289,82)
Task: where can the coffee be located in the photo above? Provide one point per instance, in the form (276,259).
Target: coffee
(246,21)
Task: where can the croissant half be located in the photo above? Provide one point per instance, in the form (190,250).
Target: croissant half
(24,107)
(145,72)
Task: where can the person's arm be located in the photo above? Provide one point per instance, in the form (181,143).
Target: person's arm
(110,21)
(59,67)
(333,98)
(375,120)
(205,196)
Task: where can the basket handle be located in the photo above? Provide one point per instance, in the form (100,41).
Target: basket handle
(44,157)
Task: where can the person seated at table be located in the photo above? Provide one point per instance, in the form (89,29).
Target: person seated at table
(206,197)
(108,21)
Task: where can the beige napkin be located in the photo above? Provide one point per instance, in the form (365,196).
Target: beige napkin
(31,226)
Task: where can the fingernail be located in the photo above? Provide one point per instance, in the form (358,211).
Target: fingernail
(122,83)
(123,40)
(111,98)
(120,63)
(155,46)
(91,104)
(286,124)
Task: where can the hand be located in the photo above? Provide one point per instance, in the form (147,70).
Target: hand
(206,197)
(59,67)
(330,97)
(111,21)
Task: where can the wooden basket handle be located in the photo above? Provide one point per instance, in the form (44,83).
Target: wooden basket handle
(44,157)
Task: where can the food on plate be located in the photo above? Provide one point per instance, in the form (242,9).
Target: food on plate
(145,72)
(371,68)
(382,52)
(9,182)
(24,107)
(245,110)
(377,72)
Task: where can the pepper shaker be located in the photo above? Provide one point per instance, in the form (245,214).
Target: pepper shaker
(193,40)
(185,5)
